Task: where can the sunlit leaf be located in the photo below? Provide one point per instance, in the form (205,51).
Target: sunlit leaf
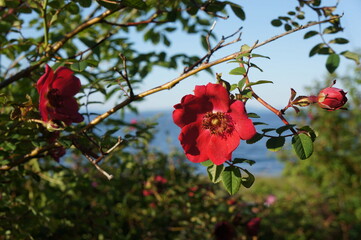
(303,146)
(207,163)
(352,56)
(215,172)
(249,180)
(231,179)
(258,82)
(238,71)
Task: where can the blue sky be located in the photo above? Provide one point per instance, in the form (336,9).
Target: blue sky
(289,66)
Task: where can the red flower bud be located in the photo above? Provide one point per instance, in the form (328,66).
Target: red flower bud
(332,98)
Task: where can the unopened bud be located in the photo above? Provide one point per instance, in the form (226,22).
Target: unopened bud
(332,98)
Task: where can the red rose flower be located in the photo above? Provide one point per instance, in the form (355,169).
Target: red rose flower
(212,124)
(331,98)
(252,227)
(57,90)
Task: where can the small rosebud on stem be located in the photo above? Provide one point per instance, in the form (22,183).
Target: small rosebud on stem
(329,98)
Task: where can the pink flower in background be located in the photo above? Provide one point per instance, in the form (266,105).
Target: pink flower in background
(212,124)
(270,200)
(331,98)
(57,90)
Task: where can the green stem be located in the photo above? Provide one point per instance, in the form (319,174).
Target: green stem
(45,25)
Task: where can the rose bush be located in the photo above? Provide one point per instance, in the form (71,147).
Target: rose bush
(212,124)
(56,91)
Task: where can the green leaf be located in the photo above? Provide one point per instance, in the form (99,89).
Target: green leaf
(255,138)
(310,132)
(238,71)
(253,115)
(255,55)
(138,4)
(238,11)
(85,3)
(231,179)
(332,62)
(284,128)
(233,87)
(339,41)
(315,49)
(265,130)
(352,56)
(249,180)
(78,66)
(243,160)
(207,163)
(258,82)
(274,144)
(241,83)
(73,8)
(276,22)
(215,172)
(245,48)
(303,146)
(288,27)
(310,34)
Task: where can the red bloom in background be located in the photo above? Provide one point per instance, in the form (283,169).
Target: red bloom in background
(57,90)
(252,227)
(331,98)
(212,124)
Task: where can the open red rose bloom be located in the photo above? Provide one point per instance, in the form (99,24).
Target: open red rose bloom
(212,124)
(57,90)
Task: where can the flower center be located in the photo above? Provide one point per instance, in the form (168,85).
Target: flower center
(55,99)
(218,123)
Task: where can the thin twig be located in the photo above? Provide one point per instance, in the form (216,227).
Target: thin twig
(107,175)
(202,67)
(57,46)
(162,87)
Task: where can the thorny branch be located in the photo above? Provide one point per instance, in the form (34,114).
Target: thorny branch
(35,153)
(172,83)
(58,45)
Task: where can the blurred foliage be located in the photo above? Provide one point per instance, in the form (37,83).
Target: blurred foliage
(153,195)
(333,171)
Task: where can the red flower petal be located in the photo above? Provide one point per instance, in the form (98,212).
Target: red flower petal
(216,94)
(243,125)
(67,84)
(45,79)
(190,109)
(67,112)
(218,148)
(188,139)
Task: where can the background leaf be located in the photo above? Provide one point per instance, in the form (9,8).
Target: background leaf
(332,62)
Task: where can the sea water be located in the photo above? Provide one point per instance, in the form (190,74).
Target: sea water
(166,139)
